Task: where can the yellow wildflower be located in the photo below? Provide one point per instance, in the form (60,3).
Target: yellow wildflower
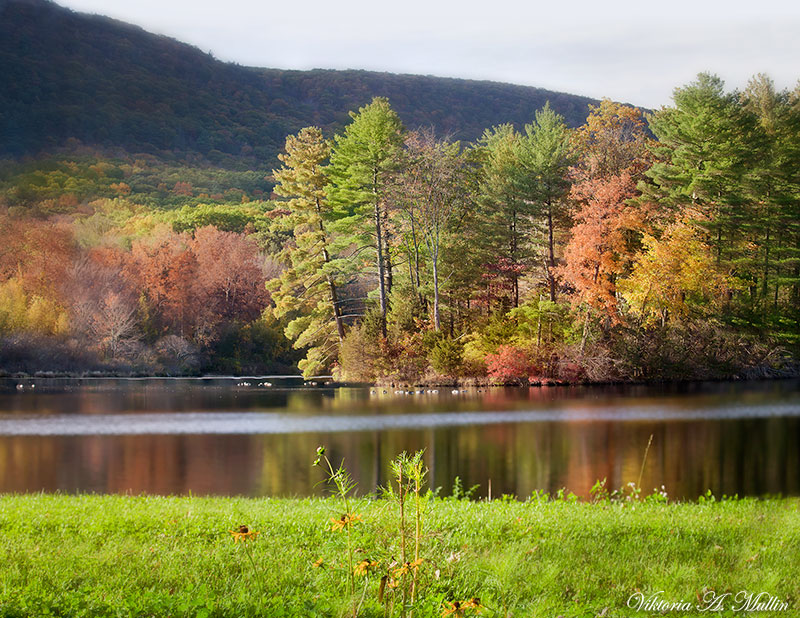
(458,609)
(365,566)
(243,534)
(406,568)
(348,519)
(455,609)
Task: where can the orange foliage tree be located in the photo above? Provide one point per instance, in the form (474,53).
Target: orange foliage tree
(230,283)
(603,240)
(193,285)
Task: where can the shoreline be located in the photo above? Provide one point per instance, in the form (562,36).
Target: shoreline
(440,382)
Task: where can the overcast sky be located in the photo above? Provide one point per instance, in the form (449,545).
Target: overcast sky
(636,52)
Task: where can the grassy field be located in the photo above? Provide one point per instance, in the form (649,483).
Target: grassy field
(174,556)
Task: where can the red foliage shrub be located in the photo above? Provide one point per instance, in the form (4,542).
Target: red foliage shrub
(509,365)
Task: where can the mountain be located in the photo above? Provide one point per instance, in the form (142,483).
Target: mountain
(67,76)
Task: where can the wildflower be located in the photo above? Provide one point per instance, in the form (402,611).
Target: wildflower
(365,566)
(320,455)
(243,534)
(407,567)
(455,609)
(317,564)
(346,520)
(458,608)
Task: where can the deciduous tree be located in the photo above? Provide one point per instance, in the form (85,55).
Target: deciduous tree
(434,185)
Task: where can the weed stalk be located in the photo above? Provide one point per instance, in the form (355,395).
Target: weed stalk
(644,461)
(343,484)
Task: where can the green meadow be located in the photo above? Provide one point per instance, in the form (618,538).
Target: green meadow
(89,555)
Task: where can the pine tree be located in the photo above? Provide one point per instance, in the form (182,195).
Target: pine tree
(788,165)
(728,163)
(774,184)
(363,161)
(546,152)
(705,142)
(500,223)
(307,288)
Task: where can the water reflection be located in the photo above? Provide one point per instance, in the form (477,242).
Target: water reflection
(752,454)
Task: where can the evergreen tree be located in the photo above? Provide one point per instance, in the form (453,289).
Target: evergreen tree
(764,185)
(775,186)
(705,142)
(307,288)
(500,226)
(788,165)
(546,153)
(728,163)
(364,159)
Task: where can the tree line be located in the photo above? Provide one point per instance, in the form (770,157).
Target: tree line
(653,246)
(630,246)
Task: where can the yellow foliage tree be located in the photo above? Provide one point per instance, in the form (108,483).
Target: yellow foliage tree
(18,311)
(675,277)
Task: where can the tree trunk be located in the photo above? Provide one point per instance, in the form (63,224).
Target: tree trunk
(436,321)
(411,268)
(380,260)
(416,253)
(337,312)
(539,330)
(388,257)
(765,292)
(585,333)
(552,255)
(514,255)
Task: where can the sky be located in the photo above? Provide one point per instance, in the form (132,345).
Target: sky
(633,52)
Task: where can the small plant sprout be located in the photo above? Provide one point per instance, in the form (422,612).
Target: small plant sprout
(409,473)
(599,491)
(342,484)
(399,472)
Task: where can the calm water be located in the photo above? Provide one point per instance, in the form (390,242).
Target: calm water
(216,436)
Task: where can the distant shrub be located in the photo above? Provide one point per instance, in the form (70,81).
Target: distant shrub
(358,356)
(509,365)
(446,357)
(177,355)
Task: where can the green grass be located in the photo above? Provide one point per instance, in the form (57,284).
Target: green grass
(168,556)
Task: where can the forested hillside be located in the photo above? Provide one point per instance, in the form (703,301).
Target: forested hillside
(106,83)
(189,216)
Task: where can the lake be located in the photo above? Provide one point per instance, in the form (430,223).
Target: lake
(237,436)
